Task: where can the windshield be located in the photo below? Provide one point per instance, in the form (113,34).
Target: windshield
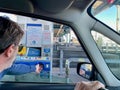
(108,12)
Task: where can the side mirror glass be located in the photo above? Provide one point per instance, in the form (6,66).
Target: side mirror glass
(85,70)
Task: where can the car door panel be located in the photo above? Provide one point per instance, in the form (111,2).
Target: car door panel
(35,86)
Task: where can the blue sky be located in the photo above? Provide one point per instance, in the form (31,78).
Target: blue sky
(108,16)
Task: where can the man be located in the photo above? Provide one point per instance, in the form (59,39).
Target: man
(10,36)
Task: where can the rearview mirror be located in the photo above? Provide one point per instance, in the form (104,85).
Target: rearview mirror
(85,70)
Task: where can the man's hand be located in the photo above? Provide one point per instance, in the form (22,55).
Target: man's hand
(94,85)
(38,68)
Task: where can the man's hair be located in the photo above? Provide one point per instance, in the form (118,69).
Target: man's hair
(10,33)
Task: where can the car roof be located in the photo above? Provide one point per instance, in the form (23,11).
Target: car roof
(51,6)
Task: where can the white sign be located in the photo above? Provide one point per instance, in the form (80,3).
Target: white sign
(34,34)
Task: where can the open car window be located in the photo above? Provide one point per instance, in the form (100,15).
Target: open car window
(52,45)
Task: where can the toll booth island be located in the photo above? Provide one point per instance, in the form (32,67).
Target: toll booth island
(36,44)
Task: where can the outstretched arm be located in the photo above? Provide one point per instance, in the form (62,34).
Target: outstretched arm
(17,69)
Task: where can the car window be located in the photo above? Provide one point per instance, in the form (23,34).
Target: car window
(52,46)
(108,12)
(110,51)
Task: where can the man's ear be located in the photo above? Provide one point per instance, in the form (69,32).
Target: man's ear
(10,50)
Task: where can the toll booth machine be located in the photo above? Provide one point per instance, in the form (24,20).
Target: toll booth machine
(36,45)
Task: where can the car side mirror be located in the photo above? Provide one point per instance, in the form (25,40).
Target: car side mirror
(85,70)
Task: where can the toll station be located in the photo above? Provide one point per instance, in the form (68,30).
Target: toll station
(36,44)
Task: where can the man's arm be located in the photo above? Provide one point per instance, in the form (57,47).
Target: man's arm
(17,69)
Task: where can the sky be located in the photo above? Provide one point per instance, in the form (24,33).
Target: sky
(108,16)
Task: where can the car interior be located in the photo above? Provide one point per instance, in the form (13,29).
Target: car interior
(99,59)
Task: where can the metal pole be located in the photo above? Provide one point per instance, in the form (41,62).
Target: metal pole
(61,61)
(117,18)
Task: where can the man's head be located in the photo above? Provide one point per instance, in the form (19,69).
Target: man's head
(10,36)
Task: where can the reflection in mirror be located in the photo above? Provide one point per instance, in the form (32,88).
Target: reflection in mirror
(85,70)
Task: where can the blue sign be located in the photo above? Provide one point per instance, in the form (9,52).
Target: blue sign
(47,50)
